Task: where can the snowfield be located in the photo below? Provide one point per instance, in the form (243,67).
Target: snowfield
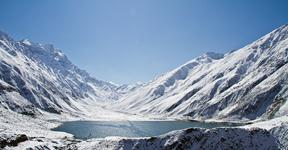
(40,88)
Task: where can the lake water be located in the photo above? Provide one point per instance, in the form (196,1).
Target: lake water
(101,129)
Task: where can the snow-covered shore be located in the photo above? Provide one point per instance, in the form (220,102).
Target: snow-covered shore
(270,134)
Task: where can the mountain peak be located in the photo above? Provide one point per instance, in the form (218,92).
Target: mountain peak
(26,42)
(3,35)
(209,56)
(214,55)
(47,48)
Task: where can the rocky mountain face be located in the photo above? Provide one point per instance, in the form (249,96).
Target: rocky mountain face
(245,84)
(36,77)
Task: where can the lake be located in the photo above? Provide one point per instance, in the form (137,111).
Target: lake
(101,129)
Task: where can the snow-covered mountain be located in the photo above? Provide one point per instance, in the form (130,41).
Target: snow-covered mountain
(241,85)
(244,84)
(35,77)
(126,88)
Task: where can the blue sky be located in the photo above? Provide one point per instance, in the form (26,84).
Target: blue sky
(125,41)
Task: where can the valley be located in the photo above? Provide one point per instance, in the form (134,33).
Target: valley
(40,88)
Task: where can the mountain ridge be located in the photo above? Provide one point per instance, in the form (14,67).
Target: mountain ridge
(229,88)
(43,77)
(246,84)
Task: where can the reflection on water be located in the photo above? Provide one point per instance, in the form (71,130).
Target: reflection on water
(100,129)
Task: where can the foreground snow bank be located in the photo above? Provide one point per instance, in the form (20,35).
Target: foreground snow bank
(193,138)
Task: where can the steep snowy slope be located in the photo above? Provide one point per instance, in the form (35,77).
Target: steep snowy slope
(35,76)
(244,84)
